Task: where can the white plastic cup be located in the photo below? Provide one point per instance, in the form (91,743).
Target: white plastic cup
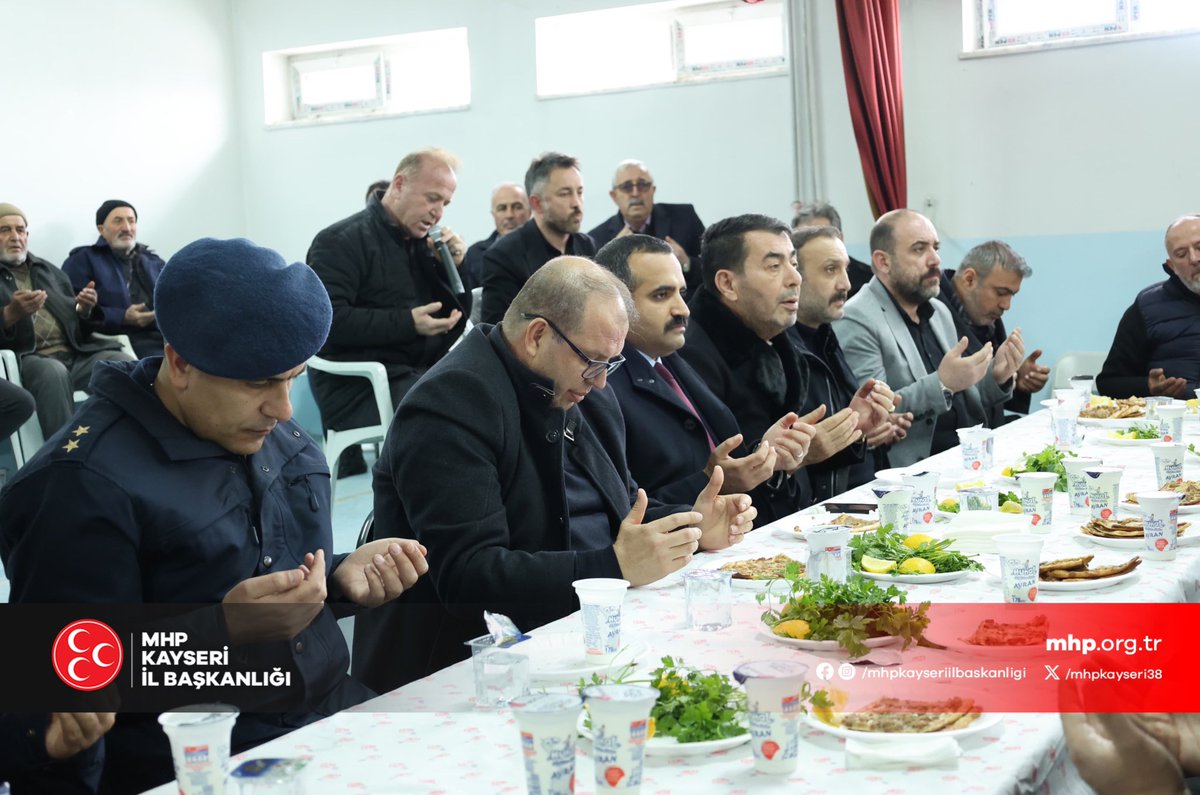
(1154,401)
(895,506)
(979,499)
(1103,491)
(1168,462)
(1037,499)
(1170,421)
(1020,555)
(924,485)
(1160,519)
(620,722)
(773,702)
(1083,386)
(708,597)
(500,676)
(600,600)
(976,445)
(1077,494)
(548,724)
(1065,419)
(828,552)
(199,737)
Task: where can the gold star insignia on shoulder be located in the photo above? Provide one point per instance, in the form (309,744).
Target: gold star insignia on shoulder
(81,430)
(71,445)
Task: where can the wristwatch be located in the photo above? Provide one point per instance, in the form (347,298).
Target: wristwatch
(947,395)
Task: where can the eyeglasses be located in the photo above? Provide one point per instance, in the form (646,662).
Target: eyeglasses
(594,366)
(642,185)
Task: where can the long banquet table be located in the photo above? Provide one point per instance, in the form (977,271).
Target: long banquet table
(428,737)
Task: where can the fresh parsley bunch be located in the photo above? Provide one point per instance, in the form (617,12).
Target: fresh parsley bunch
(1144,430)
(887,544)
(1050,459)
(848,612)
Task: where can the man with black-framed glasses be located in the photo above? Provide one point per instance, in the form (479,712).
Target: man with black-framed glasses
(517,485)
(637,213)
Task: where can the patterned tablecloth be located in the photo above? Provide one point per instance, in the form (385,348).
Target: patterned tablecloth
(428,736)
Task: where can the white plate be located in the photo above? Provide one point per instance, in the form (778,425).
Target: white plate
(1084,585)
(751,585)
(1110,423)
(917,579)
(559,656)
(1136,543)
(945,481)
(823,645)
(981,724)
(1104,438)
(1133,507)
(669,746)
(807,520)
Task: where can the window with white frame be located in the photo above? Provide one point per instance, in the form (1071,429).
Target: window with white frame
(1011,23)
(367,78)
(658,44)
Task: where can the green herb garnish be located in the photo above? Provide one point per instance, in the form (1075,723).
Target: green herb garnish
(848,612)
(1049,459)
(1144,430)
(887,544)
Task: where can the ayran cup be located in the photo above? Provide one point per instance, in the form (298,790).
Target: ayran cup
(547,724)
(1020,556)
(1160,522)
(1037,499)
(620,728)
(773,700)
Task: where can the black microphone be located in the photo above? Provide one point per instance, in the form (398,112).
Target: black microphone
(452,277)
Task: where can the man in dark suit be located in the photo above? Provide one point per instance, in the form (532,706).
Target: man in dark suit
(825,214)
(507,461)
(633,193)
(737,341)
(555,189)
(977,295)
(676,429)
(510,209)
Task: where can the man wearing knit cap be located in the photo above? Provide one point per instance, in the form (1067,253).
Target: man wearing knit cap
(47,323)
(124,272)
(185,480)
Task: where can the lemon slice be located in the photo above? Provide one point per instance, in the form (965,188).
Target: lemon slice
(970,484)
(917,566)
(1011,507)
(793,628)
(917,539)
(877,566)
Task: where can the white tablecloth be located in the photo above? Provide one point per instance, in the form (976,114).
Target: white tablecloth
(428,737)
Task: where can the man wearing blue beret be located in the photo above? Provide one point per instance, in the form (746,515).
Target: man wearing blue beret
(185,480)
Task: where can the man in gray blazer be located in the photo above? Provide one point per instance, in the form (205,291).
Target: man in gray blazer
(893,332)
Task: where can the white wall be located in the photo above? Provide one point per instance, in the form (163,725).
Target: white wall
(727,147)
(129,99)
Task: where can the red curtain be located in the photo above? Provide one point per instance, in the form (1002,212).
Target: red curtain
(870,35)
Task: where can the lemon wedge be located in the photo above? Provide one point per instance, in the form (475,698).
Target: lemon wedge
(970,484)
(917,566)
(793,628)
(1011,507)
(1007,472)
(917,539)
(1123,434)
(877,566)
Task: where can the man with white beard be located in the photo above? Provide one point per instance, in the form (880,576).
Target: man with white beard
(1156,350)
(125,272)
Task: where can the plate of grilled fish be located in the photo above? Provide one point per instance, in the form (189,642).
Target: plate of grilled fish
(1084,573)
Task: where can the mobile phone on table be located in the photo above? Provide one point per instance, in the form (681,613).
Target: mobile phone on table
(849,507)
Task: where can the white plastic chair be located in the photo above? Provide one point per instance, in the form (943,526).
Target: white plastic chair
(27,439)
(338,441)
(1076,363)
